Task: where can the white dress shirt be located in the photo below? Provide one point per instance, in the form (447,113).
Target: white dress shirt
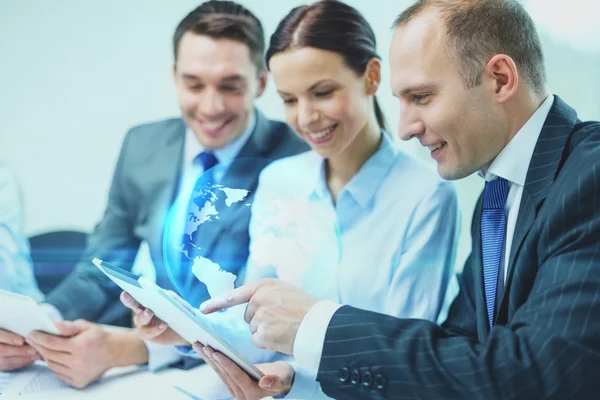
(16,269)
(387,245)
(512,164)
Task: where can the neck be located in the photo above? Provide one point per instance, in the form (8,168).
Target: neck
(517,113)
(520,111)
(342,168)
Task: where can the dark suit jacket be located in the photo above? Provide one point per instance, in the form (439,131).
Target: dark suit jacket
(144,186)
(546,341)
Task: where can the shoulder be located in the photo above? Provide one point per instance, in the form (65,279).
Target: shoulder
(584,141)
(157,132)
(291,167)
(289,176)
(416,178)
(579,173)
(277,138)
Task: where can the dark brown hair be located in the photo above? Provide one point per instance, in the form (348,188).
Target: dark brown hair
(476,30)
(225,20)
(329,25)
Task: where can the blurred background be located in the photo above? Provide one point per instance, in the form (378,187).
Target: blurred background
(75,75)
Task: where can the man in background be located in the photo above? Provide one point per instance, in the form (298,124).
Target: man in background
(218,71)
(16,271)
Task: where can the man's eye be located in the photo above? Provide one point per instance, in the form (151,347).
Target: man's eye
(231,88)
(288,101)
(420,98)
(324,93)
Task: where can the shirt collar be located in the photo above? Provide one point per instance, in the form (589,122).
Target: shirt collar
(225,154)
(513,161)
(363,186)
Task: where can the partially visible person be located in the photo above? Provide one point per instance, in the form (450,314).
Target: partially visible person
(470,79)
(355,220)
(16,270)
(218,73)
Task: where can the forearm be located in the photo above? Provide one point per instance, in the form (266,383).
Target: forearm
(127,349)
(419,360)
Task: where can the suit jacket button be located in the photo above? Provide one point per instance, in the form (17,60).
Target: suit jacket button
(367,379)
(379,382)
(344,375)
(355,377)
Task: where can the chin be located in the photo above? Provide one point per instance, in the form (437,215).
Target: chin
(451,174)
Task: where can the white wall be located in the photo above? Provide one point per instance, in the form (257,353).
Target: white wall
(75,75)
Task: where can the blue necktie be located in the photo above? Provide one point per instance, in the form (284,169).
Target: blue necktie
(493,233)
(208,160)
(187,284)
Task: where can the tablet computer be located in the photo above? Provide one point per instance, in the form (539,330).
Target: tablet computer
(180,319)
(22,315)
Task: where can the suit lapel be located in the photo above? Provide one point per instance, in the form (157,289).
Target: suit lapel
(477,260)
(543,169)
(168,173)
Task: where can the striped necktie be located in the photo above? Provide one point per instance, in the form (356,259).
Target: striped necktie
(493,233)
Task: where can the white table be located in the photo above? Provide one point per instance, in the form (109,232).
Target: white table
(139,383)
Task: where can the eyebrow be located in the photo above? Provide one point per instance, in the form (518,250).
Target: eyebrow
(233,78)
(228,79)
(419,88)
(312,87)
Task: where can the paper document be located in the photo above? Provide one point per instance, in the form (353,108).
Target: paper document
(34,379)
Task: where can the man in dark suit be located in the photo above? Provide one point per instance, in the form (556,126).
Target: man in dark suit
(219,71)
(469,75)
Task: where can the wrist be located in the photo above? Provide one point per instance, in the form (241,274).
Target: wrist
(126,348)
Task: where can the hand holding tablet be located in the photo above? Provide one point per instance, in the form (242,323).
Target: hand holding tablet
(169,310)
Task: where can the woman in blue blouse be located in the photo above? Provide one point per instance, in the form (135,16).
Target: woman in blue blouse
(355,220)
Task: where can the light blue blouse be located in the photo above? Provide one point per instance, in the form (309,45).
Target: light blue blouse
(387,245)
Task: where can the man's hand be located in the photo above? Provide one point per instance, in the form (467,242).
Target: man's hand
(277,380)
(151,328)
(275,311)
(14,353)
(86,351)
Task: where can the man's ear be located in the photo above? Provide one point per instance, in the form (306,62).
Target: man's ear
(262,82)
(501,77)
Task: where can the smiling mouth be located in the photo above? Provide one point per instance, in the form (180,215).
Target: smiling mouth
(436,146)
(320,135)
(214,126)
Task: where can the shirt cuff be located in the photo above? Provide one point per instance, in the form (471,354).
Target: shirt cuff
(187,351)
(305,385)
(308,345)
(52,312)
(160,356)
